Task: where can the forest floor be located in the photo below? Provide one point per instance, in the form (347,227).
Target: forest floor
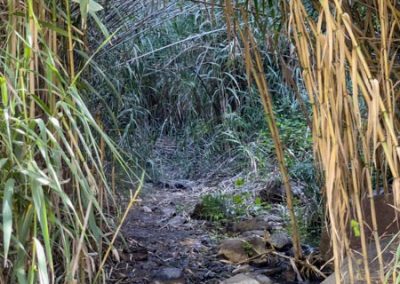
(167,244)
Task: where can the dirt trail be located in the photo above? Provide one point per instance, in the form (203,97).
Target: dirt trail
(161,235)
(166,246)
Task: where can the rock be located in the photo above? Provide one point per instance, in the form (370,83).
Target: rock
(239,250)
(279,240)
(257,244)
(233,250)
(147,209)
(193,244)
(169,275)
(241,279)
(263,279)
(248,278)
(274,226)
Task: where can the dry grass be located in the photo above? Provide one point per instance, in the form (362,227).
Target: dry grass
(351,76)
(348,53)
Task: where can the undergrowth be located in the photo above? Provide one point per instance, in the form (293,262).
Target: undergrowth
(179,75)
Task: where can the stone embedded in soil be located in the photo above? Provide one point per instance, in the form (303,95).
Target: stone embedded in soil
(248,278)
(233,250)
(256,245)
(169,275)
(239,250)
(279,240)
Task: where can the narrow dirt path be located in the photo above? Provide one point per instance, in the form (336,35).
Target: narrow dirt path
(164,242)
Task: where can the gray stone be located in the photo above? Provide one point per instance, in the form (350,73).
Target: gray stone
(248,278)
(279,240)
(263,279)
(241,279)
(169,275)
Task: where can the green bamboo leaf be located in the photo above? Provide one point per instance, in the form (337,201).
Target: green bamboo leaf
(356,228)
(101,26)
(89,6)
(84,5)
(42,266)
(94,7)
(59,30)
(41,211)
(3,162)
(3,90)
(7,216)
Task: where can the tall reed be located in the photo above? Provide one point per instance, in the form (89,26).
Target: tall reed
(351,81)
(348,52)
(51,170)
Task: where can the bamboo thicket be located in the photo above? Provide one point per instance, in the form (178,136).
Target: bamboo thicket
(348,51)
(51,168)
(349,57)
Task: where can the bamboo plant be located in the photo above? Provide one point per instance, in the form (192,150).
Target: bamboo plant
(52,183)
(348,52)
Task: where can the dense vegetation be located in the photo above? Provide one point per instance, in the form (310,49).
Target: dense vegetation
(87,89)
